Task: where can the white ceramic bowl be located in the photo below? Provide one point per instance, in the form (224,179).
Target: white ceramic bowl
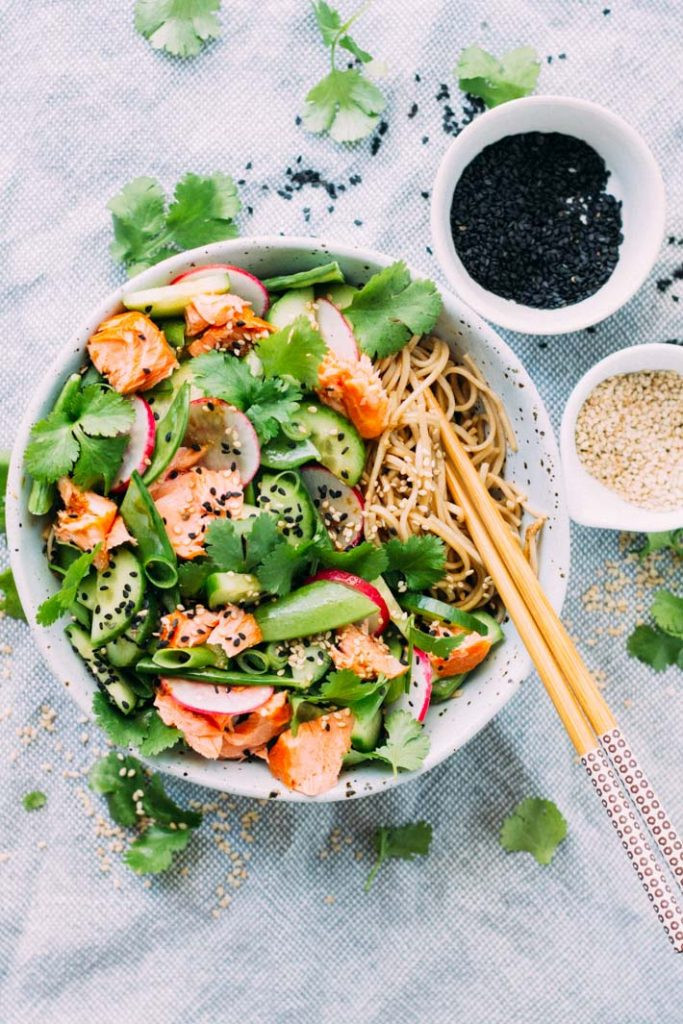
(635,179)
(535,466)
(588,501)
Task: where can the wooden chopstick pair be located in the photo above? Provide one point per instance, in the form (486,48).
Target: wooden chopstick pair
(626,794)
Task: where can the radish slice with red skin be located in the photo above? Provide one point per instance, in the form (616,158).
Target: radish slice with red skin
(242,283)
(416,700)
(232,440)
(140,446)
(210,699)
(379,622)
(335,330)
(342,501)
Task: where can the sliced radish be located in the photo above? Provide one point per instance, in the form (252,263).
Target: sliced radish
(213,699)
(242,283)
(336,330)
(416,700)
(140,446)
(378,622)
(340,506)
(232,440)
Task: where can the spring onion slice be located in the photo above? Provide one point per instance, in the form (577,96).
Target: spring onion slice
(142,518)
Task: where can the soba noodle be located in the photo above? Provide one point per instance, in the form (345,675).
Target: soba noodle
(405,483)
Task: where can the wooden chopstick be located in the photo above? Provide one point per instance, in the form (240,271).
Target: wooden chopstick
(581,707)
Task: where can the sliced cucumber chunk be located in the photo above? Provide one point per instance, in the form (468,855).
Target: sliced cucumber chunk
(128,648)
(285,453)
(341,447)
(123,652)
(367,726)
(174,329)
(119,592)
(171,299)
(289,306)
(284,496)
(110,680)
(231,588)
(431,608)
(494,630)
(341,294)
(308,662)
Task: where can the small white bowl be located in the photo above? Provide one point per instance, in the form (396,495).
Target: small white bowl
(588,501)
(635,179)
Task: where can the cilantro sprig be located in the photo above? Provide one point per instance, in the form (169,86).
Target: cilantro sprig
(295,352)
(52,608)
(9,602)
(87,436)
(344,104)
(144,730)
(535,826)
(390,308)
(181,27)
(670,539)
(661,645)
(404,842)
(145,231)
(497,81)
(421,561)
(134,797)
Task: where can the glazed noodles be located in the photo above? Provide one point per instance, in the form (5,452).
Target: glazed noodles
(405,482)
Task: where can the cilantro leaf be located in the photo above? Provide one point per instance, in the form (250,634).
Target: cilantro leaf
(660,541)
(278,569)
(406,745)
(421,560)
(535,826)
(345,687)
(10,603)
(159,736)
(4,471)
(224,546)
(118,778)
(344,104)
(193,575)
(667,611)
(295,352)
(654,647)
(329,21)
(52,608)
(181,27)
(139,222)
(497,81)
(403,842)
(203,210)
(144,730)
(364,560)
(52,448)
(98,460)
(390,308)
(352,46)
(34,800)
(152,852)
(165,811)
(262,538)
(102,412)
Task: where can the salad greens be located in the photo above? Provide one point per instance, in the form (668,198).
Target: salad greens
(535,826)
(180,27)
(661,645)
(402,842)
(672,539)
(34,800)
(390,308)
(9,602)
(497,81)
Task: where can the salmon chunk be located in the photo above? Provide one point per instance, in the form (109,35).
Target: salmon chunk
(85,520)
(464,658)
(190,501)
(235,630)
(187,629)
(224,322)
(204,733)
(131,352)
(258,728)
(367,656)
(353,387)
(311,761)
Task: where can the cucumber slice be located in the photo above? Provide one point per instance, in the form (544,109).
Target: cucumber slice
(284,496)
(289,306)
(431,608)
(494,630)
(87,591)
(119,593)
(109,679)
(313,608)
(174,330)
(367,725)
(284,453)
(231,588)
(127,649)
(309,662)
(122,652)
(341,447)
(341,294)
(171,299)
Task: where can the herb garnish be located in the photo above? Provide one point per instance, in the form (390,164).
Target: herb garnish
(496,81)
(403,842)
(181,27)
(661,645)
(535,826)
(34,800)
(10,603)
(390,308)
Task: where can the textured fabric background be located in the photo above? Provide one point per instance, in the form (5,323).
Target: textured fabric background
(470,934)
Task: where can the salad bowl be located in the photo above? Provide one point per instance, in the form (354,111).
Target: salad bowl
(534,467)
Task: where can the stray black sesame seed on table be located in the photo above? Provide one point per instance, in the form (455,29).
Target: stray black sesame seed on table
(532,220)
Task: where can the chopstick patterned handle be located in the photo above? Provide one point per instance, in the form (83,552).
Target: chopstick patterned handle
(638,849)
(648,804)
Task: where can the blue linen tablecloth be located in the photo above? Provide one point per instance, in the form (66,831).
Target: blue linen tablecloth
(264,918)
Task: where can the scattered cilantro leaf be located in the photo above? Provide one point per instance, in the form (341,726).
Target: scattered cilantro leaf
(34,800)
(52,608)
(497,81)
(98,461)
(421,560)
(535,826)
(4,471)
(52,448)
(159,736)
(345,687)
(102,412)
(345,104)
(655,648)
(181,27)
(144,730)
(165,811)
(406,745)
(660,541)
(294,352)
(261,540)
(203,209)
(278,569)
(667,611)
(118,777)
(390,308)
(364,560)
(10,603)
(267,402)
(403,842)
(152,852)
(224,546)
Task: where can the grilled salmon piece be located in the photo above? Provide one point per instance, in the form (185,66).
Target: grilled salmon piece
(204,733)
(258,728)
(464,658)
(353,387)
(185,458)
(311,761)
(190,501)
(118,535)
(187,629)
(131,352)
(225,322)
(85,520)
(235,631)
(367,656)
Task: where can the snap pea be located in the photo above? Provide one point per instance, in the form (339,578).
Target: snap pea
(190,658)
(304,278)
(42,496)
(222,677)
(142,518)
(169,434)
(444,688)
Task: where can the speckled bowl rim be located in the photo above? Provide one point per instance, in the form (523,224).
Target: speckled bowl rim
(507,666)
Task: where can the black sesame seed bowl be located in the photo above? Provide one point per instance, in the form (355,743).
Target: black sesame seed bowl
(547,214)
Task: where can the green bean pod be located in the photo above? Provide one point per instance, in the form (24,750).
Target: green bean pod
(187,658)
(142,518)
(221,677)
(169,434)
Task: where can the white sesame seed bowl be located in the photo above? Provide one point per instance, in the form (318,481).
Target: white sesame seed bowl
(634,180)
(534,467)
(589,501)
